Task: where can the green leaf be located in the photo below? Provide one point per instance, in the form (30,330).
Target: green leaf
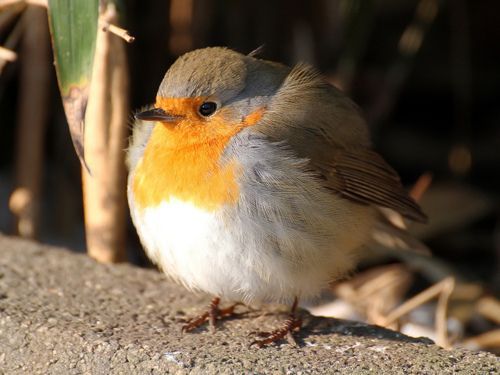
(73,27)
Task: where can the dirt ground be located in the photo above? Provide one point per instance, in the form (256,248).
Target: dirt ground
(64,313)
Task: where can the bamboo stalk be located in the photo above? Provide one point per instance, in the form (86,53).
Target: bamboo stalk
(105,139)
(117,142)
(33,103)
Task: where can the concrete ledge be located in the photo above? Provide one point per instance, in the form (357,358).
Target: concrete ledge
(62,313)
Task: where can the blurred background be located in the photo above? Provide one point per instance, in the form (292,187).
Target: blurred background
(425,72)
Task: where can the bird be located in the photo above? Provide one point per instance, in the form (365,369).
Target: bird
(255,182)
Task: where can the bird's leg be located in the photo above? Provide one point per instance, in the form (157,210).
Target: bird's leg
(211,315)
(291,324)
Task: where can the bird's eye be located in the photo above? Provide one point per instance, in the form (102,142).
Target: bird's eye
(207,108)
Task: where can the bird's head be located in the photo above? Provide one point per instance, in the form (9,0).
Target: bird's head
(214,92)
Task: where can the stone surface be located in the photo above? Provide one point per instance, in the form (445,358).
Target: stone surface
(62,313)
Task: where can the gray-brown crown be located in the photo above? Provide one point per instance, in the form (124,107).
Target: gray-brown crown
(205,72)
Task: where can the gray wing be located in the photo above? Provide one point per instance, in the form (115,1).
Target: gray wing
(321,124)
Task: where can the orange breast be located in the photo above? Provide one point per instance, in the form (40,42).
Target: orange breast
(183,161)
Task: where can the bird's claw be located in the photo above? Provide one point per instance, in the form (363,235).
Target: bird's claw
(213,314)
(291,324)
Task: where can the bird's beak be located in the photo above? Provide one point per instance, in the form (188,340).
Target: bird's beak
(157,114)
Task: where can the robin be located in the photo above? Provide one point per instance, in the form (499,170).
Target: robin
(255,182)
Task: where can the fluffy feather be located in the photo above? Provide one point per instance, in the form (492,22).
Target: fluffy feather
(308,182)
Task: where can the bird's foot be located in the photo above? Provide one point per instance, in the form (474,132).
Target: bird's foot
(292,324)
(211,316)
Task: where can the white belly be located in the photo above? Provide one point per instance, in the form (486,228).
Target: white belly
(237,258)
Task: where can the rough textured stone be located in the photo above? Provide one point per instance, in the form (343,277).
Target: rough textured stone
(62,313)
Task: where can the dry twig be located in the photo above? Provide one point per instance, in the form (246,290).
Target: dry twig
(487,340)
(118,31)
(374,292)
(489,307)
(7,54)
(443,289)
